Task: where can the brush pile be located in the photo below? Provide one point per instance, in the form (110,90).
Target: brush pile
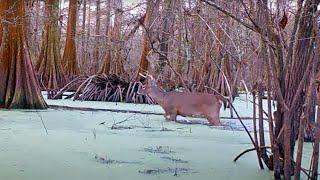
(104,88)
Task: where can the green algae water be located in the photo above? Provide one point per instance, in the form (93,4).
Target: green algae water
(78,147)
(82,145)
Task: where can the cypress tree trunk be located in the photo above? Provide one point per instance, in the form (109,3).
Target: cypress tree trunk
(152,8)
(105,68)
(49,66)
(117,65)
(168,22)
(95,66)
(69,59)
(18,84)
(0,33)
(83,36)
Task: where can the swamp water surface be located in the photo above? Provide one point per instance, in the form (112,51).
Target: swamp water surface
(81,145)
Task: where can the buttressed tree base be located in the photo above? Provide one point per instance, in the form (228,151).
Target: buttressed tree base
(18,85)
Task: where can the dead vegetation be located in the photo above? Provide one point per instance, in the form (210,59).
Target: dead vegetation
(104,88)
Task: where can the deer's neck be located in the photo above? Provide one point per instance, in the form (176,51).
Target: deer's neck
(157,94)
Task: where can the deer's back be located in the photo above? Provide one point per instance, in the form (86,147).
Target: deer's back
(192,103)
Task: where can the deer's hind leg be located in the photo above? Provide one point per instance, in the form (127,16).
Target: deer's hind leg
(214,117)
(214,121)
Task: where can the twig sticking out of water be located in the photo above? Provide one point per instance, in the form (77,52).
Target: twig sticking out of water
(44,126)
(94,133)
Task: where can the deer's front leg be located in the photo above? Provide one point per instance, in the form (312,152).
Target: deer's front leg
(214,118)
(166,113)
(170,116)
(166,116)
(173,116)
(169,113)
(214,121)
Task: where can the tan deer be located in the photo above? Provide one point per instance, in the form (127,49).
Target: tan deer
(185,103)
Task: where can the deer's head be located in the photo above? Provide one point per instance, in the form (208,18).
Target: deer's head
(147,88)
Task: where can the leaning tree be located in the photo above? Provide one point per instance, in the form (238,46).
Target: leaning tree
(18,84)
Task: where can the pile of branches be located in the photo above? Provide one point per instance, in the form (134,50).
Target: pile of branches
(105,88)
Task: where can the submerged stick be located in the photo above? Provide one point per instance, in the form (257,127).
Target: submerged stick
(249,150)
(121,111)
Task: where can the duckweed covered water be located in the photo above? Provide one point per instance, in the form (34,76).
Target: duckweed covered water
(77,147)
(82,145)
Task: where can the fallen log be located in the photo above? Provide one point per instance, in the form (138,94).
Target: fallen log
(121,111)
